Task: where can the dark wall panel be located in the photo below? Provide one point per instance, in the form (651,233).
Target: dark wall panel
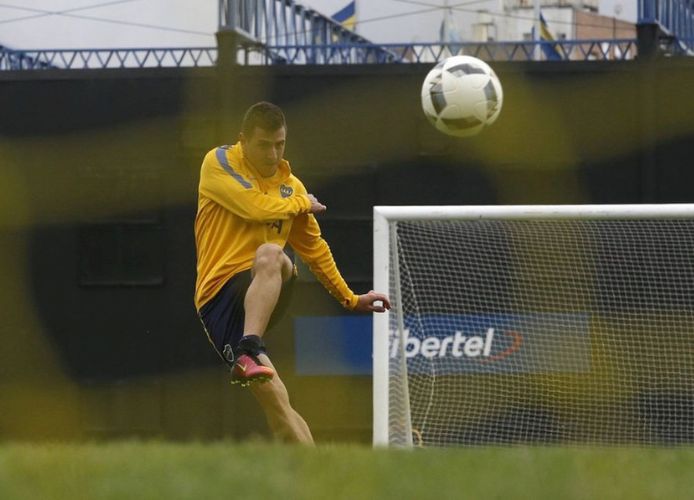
(103,168)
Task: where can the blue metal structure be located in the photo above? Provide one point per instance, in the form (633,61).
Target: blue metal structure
(570,50)
(269,23)
(106,58)
(674,20)
(297,54)
(17,60)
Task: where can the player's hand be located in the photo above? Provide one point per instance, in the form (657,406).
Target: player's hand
(316,206)
(372,302)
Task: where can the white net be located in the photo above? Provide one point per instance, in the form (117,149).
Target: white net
(541,331)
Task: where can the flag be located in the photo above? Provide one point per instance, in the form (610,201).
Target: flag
(347,16)
(549,46)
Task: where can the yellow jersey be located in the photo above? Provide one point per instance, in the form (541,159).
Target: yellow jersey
(239,210)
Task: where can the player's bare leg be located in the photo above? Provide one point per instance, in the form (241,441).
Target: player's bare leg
(271,268)
(284,422)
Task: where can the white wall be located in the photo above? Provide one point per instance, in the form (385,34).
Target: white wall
(152,23)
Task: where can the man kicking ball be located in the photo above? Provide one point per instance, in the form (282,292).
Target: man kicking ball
(250,206)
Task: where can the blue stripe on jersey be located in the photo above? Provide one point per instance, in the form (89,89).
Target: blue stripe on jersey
(222,158)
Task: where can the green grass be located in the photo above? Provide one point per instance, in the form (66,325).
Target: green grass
(133,470)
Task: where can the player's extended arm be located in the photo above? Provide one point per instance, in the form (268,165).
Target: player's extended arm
(305,238)
(238,195)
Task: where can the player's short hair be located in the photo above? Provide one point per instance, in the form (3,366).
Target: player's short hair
(264,115)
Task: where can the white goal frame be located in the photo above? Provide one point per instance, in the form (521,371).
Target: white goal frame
(382,242)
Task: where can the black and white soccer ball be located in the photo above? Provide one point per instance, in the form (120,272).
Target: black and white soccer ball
(461,96)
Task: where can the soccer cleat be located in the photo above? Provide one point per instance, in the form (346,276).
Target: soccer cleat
(248,369)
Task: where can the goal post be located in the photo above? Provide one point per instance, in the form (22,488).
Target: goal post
(534,324)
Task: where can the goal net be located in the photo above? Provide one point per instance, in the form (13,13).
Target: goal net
(534,324)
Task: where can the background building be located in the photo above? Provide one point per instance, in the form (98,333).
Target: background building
(40,24)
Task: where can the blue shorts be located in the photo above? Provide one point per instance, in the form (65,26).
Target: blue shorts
(223,316)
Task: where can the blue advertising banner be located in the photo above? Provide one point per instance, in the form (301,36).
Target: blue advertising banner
(333,345)
(495,343)
(448,344)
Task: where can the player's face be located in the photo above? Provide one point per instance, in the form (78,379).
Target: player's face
(265,148)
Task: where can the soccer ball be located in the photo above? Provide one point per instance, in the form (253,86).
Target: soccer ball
(462,95)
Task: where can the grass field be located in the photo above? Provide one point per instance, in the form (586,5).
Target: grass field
(134,470)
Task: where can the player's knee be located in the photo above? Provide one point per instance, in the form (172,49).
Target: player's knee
(269,257)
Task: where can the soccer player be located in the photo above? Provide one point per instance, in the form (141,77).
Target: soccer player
(250,206)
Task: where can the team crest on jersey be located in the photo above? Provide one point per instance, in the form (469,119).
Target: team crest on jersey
(286,191)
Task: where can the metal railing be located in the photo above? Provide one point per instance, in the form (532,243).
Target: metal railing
(19,59)
(107,58)
(322,54)
(568,50)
